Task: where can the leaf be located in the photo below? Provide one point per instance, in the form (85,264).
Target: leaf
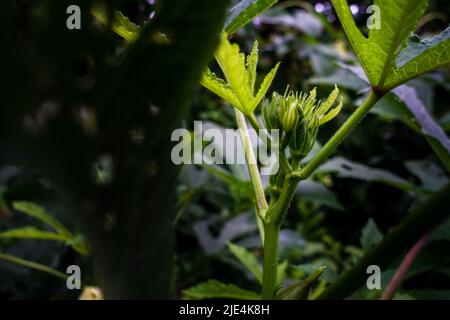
(371,235)
(252,63)
(120,24)
(281,273)
(32,233)
(244,11)
(345,168)
(377,52)
(429,127)
(240,75)
(421,56)
(232,63)
(264,87)
(39,213)
(300,290)
(32,265)
(214,289)
(300,20)
(248,260)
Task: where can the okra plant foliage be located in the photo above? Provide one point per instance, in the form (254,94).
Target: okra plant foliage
(181,33)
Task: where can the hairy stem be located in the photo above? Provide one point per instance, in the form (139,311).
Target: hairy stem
(338,137)
(252,165)
(403,268)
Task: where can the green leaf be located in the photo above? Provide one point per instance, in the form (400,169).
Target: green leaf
(248,260)
(371,235)
(244,11)
(120,24)
(214,289)
(421,56)
(32,233)
(377,52)
(41,214)
(240,75)
(282,268)
(300,290)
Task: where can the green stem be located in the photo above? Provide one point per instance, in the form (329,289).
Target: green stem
(273,221)
(32,265)
(338,137)
(270,271)
(252,165)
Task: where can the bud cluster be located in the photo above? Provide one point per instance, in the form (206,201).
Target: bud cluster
(298,116)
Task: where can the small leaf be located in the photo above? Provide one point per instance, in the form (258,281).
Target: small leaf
(244,11)
(429,127)
(120,24)
(331,114)
(214,289)
(300,290)
(252,62)
(371,235)
(248,260)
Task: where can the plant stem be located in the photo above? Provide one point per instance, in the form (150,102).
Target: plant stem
(403,268)
(32,265)
(338,137)
(270,270)
(252,165)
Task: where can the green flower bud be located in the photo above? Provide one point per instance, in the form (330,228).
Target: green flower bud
(301,142)
(289,111)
